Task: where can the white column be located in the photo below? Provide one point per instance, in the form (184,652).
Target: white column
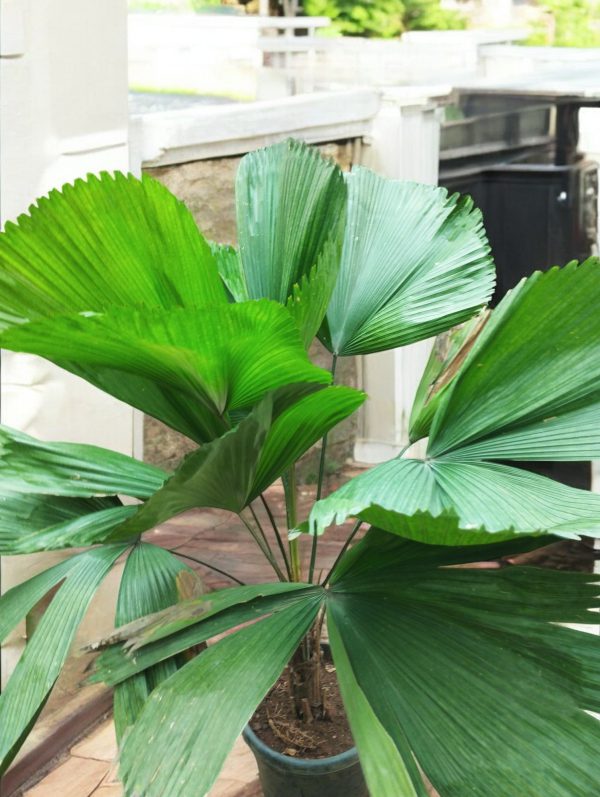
(63,113)
(497,13)
(404,144)
(589,144)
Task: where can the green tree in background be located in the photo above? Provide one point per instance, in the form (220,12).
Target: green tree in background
(384,18)
(466,674)
(428,15)
(567,23)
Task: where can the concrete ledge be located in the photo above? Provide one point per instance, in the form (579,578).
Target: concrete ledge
(551,55)
(474,36)
(55,737)
(170,137)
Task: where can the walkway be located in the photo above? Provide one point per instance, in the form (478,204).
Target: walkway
(219,538)
(91,769)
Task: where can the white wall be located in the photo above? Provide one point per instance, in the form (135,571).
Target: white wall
(400,131)
(589,144)
(63,113)
(64,94)
(403,144)
(204,53)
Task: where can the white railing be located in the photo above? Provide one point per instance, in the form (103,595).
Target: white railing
(218,53)
(215,131)
(395,132)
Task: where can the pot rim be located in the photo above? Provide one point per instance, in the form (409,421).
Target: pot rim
(275,758)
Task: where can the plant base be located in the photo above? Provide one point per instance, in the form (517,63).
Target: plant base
(337,776)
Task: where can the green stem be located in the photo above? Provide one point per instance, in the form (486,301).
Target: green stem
(207,564)
(266,551)
(320,479)
(291,496)
(261,531)
(295,563)
(277,535)
(324,444)
(263,535)
(403,451)
(343,551)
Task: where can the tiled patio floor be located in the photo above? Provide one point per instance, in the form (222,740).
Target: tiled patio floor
(221,539)
(90,769)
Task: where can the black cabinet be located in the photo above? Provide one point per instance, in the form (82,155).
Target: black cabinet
(539,199)
(536,215)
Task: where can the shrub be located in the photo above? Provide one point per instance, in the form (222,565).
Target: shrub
(384,18)
(462,672)
(567,23)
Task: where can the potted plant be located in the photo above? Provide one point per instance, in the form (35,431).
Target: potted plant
(463,676)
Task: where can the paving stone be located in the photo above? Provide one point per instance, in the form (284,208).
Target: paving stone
(112,775)
(114,790)
(216,537)
(239,771)
(76,777)
(100,744)
(90,769)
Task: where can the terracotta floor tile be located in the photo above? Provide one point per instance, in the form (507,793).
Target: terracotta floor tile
(76,777)
(112,775)
(101,744)
(239,770)
(227,787)
(223,788)
(109,791)
(253,790)
(85,774)
(217,537)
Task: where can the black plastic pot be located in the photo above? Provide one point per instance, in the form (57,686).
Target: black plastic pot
(284,776)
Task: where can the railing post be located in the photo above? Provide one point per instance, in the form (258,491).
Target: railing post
(63,114)
(403,144)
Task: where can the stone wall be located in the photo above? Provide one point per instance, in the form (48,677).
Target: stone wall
(207,188)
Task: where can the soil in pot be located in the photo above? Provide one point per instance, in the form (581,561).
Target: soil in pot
(276,722)
(300,736)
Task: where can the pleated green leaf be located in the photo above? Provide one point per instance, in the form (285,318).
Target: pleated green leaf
(415,262)
(444,502)
(48,499)
(214,360)
(527,387)
(18,601)
(199,481)
(230,268)
(386,772)
(290,205)
(530,386)
(311,294)
(45,654)
(71,469)
(447,356)
(148,584)
(198,713)
(106,241)
(270,438)
(19,742)
(31,523)
(301,425)
(471,668)
(191,623)
(175,408)
(567,435)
